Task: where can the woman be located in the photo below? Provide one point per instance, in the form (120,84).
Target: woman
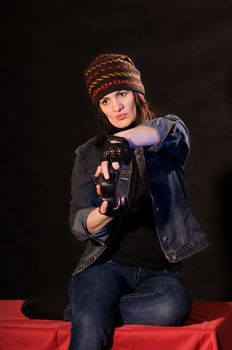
(129,204)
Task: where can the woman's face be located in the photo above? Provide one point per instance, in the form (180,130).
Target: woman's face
(119,108)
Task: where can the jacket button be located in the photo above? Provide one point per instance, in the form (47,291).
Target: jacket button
(157,209)
(165,238)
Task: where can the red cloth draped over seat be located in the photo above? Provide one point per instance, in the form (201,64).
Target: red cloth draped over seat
(209,327)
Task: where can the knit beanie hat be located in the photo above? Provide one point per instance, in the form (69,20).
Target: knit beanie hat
(111,72)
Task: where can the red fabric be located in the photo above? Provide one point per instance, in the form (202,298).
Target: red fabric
(209,327)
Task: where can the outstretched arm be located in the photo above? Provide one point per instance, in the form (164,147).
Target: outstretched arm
(168,133)
(140,136)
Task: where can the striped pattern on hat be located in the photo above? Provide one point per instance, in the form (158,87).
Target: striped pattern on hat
(111,72)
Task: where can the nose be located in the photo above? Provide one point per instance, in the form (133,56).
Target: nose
(117,105)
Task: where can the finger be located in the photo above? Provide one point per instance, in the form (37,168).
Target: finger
(122,200)
(116,165)
(117,204)
(105,170)
(103,207)
(98,171)
(98,190)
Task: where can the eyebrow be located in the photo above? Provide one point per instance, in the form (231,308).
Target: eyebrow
(116,93)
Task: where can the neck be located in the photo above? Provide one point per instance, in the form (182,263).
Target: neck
(113,129)
(101,138)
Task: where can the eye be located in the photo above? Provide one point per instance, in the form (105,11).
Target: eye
(123,93)
(104,101)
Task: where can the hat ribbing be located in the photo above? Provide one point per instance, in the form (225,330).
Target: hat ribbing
(111,72)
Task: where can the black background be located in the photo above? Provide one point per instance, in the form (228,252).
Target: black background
(183,50)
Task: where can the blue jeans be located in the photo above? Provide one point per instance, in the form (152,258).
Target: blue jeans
(108,295)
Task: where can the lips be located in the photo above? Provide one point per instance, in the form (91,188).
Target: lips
(121,116)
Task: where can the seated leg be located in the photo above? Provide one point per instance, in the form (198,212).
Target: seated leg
(94,295)
(160,298)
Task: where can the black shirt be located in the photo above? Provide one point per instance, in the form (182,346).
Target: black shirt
(137,240)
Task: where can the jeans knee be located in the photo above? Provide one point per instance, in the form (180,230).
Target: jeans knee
(155,311)
(169,314)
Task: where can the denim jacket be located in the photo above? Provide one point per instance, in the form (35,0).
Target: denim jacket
(162,166)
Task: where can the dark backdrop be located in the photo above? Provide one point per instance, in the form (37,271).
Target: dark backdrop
(183,50)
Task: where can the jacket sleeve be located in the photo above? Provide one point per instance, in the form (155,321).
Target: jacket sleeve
(84,200)
(174,136)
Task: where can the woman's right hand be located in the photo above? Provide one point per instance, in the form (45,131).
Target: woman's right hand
(103,169)
(111,201)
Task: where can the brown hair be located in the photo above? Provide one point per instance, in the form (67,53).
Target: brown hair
(145,111)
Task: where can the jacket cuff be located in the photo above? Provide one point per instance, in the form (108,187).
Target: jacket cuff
(79,227)
(101,236)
